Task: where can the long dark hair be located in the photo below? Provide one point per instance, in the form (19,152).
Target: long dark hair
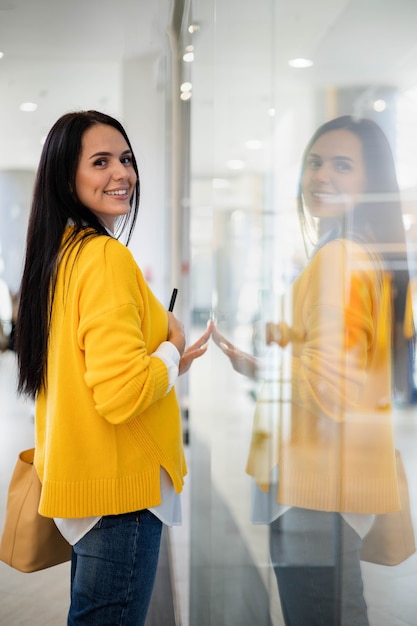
(55,204)
(377,220)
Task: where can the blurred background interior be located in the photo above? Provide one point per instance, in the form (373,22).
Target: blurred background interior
(219,98)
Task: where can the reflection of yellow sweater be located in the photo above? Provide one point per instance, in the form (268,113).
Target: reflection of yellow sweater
(334,446)
(105,425)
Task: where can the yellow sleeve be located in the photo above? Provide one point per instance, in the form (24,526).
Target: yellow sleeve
(338,308)
(120,324)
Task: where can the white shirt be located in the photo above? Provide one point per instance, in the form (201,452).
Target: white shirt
(266,509)
(169,511)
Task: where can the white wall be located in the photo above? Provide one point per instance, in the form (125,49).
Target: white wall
(143,97)
(15,196)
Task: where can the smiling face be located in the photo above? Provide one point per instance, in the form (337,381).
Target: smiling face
(334,176)
(105,177)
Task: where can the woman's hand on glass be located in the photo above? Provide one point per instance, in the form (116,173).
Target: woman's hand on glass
(194,351)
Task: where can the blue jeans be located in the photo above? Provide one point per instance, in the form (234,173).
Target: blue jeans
(316,560)
(113,571)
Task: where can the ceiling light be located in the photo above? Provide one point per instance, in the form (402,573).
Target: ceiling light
(193,28)
(28,106)
(408,220)
(300,63)
(186,95)
(1,55)
(379,105)
(188,57)
(186,87)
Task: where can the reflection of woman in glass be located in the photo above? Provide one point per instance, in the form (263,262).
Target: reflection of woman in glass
(334,457)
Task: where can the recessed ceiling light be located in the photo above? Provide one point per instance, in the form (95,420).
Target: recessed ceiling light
(408,220)
(300,63)
(379,105)
(186,87)
(28,106)
(188,57)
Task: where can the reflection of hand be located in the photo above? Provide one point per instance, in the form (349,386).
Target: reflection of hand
(279,333)
(242,362)
(195,351)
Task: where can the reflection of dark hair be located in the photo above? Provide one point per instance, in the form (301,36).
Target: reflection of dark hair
(378,219)
(55,204)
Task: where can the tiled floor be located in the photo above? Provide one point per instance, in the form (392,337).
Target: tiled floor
(40,598)
(234,581)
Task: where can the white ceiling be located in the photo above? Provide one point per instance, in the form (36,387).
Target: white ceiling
(352,42)
(66,54)
(361,49)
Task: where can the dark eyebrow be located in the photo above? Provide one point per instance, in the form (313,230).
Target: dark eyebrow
(343,157)
(334,158)
(98,154)
(313,155)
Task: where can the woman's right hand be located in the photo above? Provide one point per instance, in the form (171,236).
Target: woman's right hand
(176,334)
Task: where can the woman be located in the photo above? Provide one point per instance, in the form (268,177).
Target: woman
(330,467)
(100,355)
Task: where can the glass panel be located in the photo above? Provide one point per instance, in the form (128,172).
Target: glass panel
(305,315)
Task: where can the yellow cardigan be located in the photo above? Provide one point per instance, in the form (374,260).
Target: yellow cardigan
(105,424)
(333,439)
